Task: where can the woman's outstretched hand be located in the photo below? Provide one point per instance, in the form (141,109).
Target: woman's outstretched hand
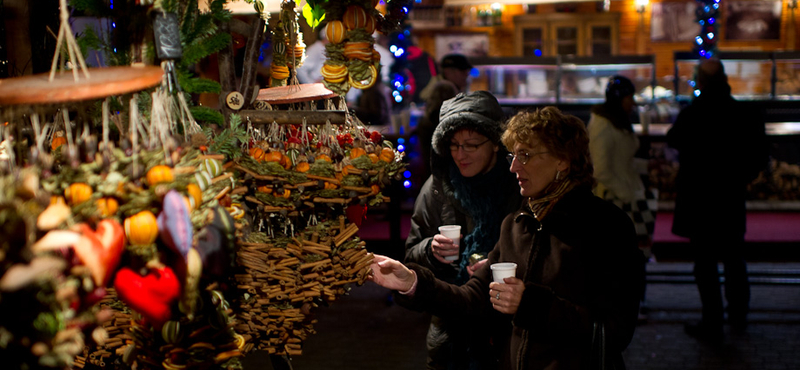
(391,274)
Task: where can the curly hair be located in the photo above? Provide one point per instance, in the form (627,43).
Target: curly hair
(563,135)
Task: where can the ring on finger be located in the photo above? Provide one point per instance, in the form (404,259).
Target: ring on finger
(497,296)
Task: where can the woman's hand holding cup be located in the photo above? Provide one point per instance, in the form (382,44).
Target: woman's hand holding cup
(505,297)
(445,245)
(505,292)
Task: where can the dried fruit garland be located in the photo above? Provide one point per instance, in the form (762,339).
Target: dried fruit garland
(287,45)
(352,60)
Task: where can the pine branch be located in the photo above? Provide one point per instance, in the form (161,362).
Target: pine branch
(218,10)
(187,17)
(198,85)
(169,6)
(202,48)
(227,142)
(96,8)
(207,115)
(90,40)
(203,27)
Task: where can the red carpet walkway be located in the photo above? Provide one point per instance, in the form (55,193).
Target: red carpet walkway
(780,227)
(776,232)
(762,227)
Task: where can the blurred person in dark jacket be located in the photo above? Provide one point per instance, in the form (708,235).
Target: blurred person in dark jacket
(721,148)
(453,80)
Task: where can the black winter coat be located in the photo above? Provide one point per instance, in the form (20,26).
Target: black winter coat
(721,147)
(451,341)
(580,265)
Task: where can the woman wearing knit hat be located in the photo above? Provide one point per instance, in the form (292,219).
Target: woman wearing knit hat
(470,186)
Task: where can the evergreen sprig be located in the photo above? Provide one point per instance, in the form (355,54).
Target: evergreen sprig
(228,141)
(207,115)
(192,84)
(97,8)
(204,47)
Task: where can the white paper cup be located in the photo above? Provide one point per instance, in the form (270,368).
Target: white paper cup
(503,270)
(453,232)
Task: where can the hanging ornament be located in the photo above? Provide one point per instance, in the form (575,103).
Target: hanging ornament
(169,101)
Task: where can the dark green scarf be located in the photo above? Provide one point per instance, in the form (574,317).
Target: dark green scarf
(486,204)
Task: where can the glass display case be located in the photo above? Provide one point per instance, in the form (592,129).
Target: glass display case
(584,79)
(561,79)
(752,75)
(517,80)
(787,75)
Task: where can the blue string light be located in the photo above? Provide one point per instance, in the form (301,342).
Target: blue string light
(705,43)
(398,45)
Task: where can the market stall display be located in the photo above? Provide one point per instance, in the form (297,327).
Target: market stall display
(139,239)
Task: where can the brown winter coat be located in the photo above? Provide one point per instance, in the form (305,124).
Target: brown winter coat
(581,266)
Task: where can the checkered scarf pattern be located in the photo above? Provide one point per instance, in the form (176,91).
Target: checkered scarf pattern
(641,211)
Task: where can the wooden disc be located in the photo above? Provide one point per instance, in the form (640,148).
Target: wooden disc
(102,82)
(235,100)
(295,93)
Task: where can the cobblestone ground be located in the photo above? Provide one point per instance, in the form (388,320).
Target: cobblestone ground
(365,331)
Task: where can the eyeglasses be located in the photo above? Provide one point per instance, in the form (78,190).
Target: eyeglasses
(522,157)
(467,147)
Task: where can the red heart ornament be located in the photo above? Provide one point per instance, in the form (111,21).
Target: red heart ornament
(101,250)
(151,295)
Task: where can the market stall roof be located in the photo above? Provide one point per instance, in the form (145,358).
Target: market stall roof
(108,81)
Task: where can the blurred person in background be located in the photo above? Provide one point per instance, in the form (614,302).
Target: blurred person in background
(454,79)
(613,146)
(721,148)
